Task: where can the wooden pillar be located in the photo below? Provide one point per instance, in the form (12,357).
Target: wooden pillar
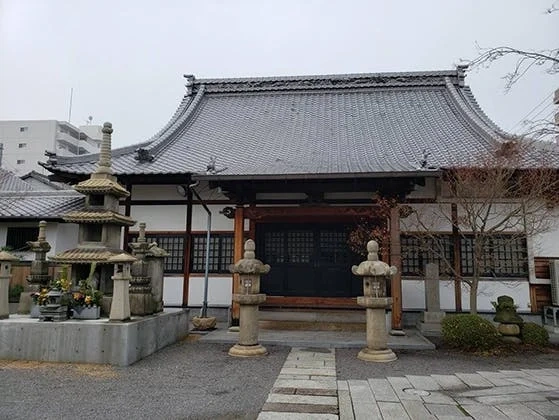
(457,261)
(252,227)
(239,230)
(396,261)
(187,248)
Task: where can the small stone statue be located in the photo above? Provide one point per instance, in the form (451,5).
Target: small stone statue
(506,311)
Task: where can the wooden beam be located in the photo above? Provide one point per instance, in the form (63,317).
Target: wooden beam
(271,213)
(187,249)
(396,261)
(238,242)
(457,260)
(305,302)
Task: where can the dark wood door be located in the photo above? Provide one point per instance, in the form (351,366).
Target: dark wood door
(307,260)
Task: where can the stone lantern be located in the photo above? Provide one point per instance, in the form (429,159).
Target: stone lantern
(249,270)
(120,306)
(6,260)
(375,275)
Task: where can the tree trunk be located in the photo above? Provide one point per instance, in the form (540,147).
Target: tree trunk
(473,296)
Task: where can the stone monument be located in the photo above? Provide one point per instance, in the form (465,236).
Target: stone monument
(430,320)
(6,260)
(141,301)
(375,274)
(39,277)
(509,321)
(249,270)
(120,306)
(100,223)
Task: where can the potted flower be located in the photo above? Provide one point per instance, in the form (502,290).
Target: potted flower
(55,306)
(86,302)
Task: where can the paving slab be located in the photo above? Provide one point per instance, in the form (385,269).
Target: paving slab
(382,390)
(450,382)
(474,380)
(445,410)
(496,378)
(426,383)
(345,408)
(392,411)
(417,411)
(484,412)
(544,408)
(519,412)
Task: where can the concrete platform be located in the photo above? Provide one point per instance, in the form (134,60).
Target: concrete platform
(329,339)
(91,341)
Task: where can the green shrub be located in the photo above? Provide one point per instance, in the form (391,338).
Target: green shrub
(469,332)
(534,334)
(14,292)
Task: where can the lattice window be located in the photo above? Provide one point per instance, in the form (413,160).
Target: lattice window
(174,245)
(300,246)
(221,253)
(274,247)
(333,247)
(504,256)
(418,251)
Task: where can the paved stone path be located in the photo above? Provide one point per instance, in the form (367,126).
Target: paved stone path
(306,388)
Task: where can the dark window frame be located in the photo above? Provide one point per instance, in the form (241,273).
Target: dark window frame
(221,253)
(17,237)
(173,243)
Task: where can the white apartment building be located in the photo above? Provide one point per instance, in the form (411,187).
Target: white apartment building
(23,143)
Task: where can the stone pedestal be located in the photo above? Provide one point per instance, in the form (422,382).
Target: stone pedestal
(377,336)
(6,261)
(375,274)
(430,320)
(510,333)
(249,270)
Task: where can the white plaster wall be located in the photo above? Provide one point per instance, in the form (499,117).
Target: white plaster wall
(155,192)
(162,218)
(413,294)
(219,291)
(172,291)
(430,215)
(219,221)
(547,244)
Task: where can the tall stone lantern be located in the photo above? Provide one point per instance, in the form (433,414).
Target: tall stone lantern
(120,306)
(375,275)
(6,260)
(249,270)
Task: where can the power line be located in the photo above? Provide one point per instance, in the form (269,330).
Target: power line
(532,110)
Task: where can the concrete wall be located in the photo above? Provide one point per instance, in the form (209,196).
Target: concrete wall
(98,341)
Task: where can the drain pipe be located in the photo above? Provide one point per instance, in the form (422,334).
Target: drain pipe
(204,310)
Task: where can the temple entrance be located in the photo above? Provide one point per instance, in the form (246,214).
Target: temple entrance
(307,259)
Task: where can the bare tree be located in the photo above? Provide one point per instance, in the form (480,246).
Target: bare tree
(501,200)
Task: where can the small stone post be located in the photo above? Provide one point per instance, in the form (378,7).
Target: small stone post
(6,260)
(39,277)
(249,270)
(375,274)
(155,258)
(430,320)
(120,306)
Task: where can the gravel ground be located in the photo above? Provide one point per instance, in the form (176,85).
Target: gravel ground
(188,380)
(439,361)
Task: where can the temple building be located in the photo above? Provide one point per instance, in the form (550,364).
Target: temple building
(296,163)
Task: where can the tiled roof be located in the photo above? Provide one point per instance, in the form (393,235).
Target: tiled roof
(86,255)
(307,126)
(11,182)
(103,216)
(39,204)
(47,184)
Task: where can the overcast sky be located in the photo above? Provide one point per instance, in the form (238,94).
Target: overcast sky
(125,60)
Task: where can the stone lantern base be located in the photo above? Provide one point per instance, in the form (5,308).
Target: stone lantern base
(239,350)
(369,355)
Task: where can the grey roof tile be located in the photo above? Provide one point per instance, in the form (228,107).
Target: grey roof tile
(39,204)
(313,125)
